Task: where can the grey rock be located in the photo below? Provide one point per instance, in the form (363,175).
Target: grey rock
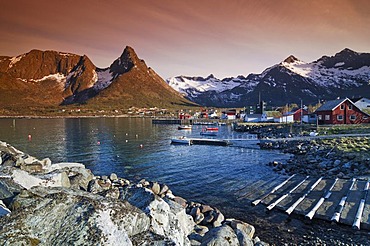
(113,177)
(218,219)
(167,218)
(180,201)
(246,228)
(201,230)
(220,236)
(76,217)
(198,218)
(94,186)
(155,187)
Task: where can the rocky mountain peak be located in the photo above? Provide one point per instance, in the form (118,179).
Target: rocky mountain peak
(126,62)
(291,59)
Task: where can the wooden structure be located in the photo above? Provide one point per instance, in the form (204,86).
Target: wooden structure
(341,111)
(344,201)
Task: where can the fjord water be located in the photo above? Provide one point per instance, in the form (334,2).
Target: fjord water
(134,148)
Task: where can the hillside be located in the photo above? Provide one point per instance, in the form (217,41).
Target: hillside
(346,74)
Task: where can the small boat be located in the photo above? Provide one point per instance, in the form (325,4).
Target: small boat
(213,129)
(181,140)
(184,127)
(209,131)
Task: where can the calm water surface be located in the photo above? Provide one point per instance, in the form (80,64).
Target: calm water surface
(133,148)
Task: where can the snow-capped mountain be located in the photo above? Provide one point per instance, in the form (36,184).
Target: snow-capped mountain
(346,74)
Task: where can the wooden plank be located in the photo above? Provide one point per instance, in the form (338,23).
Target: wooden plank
(365,221)
(273,190)
(353,201)
(286,195)
(301,198)
(284,189)
(317,198)
(327,209)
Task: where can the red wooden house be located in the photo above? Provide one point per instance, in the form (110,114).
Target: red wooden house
(341,111)
(297,114)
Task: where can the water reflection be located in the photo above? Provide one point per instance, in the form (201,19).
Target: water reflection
(135,149)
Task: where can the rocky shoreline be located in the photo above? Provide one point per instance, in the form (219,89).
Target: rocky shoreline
(344,157)
(42,203)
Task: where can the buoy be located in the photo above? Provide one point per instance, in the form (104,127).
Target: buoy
(98,143)
(126,140)
(141,146)
(29,137)
(126,134)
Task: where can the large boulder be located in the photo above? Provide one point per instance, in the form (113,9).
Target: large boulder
(168,218)
(60,216)
(220,236)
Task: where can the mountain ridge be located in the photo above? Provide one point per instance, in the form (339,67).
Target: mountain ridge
(345,74)
(52,78)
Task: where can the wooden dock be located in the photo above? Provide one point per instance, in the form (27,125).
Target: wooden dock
(344,201)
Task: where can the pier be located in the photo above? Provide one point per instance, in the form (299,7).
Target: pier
(344,201)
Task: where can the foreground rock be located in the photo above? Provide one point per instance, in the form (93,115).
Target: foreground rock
(65,204)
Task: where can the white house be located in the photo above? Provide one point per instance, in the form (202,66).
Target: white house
(362,103)
(285,119)
(257,118)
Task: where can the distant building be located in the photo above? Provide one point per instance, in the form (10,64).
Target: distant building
(257,118)
(309,118)
(362,103)
(229,114)
(287,118)
(341,111)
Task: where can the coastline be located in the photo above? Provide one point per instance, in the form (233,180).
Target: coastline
(37,193)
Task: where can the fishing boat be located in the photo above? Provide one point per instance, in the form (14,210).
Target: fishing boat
(181,140)
(184,127)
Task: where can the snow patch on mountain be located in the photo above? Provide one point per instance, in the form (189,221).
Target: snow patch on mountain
(328,76)
(199,85)
(102,79)
(58,77)
(15,59)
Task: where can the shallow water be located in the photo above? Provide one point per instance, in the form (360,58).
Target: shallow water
(133,148)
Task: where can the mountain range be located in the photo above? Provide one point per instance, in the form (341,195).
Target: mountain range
(346,74)
(42,79)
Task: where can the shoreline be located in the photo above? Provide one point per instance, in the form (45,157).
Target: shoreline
(34,191)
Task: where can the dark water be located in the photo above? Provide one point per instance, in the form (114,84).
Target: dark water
(133,148)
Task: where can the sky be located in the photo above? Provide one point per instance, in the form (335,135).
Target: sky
(188,37)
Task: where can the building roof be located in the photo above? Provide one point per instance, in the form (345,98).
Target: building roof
(331,105)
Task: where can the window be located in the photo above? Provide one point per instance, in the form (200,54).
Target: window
(352,117)
(365,117)
(350,107)
(342,107)
(327,117)
(340,117)
(320,117)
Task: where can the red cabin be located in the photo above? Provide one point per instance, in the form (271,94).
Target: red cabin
(341,111)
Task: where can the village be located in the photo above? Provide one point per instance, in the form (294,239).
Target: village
(338,111)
